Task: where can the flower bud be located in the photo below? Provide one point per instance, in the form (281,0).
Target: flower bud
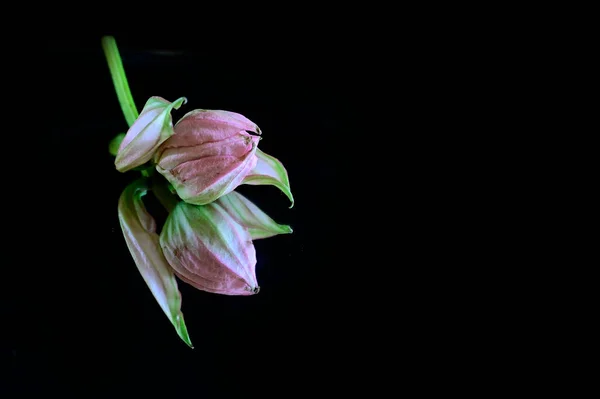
(139,229)
(209,155)
(208,249)
(148,132)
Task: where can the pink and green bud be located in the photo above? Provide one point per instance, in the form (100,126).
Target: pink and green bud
(148,132)
(139,229)
(269,171)
(208,249)
(258,223)
(209,155)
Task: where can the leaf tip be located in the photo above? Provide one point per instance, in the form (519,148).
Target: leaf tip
(179,102)
(182,330)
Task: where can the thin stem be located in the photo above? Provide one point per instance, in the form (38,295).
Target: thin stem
(119,79)
(162,193)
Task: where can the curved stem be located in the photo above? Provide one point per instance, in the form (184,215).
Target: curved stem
(109,45)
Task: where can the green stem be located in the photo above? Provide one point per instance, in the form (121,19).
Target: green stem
(162,193)
(119,79)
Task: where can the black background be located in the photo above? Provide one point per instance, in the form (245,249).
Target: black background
(81,318)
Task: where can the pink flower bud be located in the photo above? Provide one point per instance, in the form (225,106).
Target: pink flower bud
(208,249)
(150,130)
(209,154)
(139,229)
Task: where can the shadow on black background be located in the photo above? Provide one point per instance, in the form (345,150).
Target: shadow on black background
(84,320)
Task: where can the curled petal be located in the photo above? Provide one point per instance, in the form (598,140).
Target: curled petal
(139,230)
(270,171)
(148,132)
(258,223)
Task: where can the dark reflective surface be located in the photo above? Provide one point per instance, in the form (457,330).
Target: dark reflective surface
(82,317)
